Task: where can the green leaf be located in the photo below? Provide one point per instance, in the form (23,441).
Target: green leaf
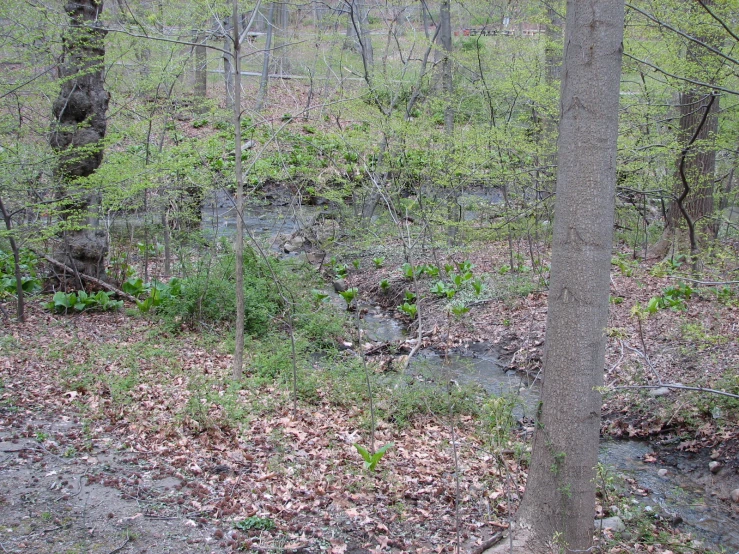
(363,452)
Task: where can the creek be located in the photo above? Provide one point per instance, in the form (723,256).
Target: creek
(675,495)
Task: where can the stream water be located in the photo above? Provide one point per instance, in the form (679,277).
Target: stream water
(674,494)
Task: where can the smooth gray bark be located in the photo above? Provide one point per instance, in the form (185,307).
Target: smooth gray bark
(559,505)
(264,80)
(238,365)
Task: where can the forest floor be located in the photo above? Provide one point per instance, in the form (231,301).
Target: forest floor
(116,436)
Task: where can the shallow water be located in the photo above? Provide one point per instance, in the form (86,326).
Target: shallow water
(480,364)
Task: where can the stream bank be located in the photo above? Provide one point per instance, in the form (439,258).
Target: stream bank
(668,484)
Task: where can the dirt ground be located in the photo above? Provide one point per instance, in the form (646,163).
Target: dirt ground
(89,463)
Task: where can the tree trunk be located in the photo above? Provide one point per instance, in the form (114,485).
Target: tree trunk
(201,71)
(559,504)
(700,161)
(281,21)
(264,81)
(77,134)
(228,66)
(445,37)
(239,246)
(691,206)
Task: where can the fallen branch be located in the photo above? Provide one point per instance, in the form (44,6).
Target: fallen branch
(492,541)
(93,280)
(681,387)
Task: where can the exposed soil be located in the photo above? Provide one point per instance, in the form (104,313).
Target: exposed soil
(91,464)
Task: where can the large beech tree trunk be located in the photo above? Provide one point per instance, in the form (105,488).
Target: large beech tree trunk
(559,505)
(77,134)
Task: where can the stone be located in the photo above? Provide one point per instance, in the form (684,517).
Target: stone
(662,391)
(734,495)
(662,472)
(340,285)
(714,467)
(615,523)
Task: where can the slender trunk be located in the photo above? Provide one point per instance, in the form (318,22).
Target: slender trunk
(238,366)
(228,71)
(21,304)
(445,20)
(264,81)
(560,495)
(281,21)
(201,71)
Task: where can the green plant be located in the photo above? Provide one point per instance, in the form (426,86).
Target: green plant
(672,297)
(478,286)
(384,285)
(356,263)
(80,301)
(458,310)
(255,523)
(30,283)
(198,123)
(441,289)
(409,309)
(498,420)
(318,295)
(341,270)
(159,293)
(371,460)
(349,295)
(407,270)
(378,262)
(134,286)
(41,436)
(410,296)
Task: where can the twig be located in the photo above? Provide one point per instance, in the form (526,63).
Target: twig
(92,280)
(681,387)
(646,358)
(492,541)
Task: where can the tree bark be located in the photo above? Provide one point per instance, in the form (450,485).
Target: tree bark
(281,21)
(700,162)
(264,80)
(559,505)
(239,247)
(77,134)
(201,71)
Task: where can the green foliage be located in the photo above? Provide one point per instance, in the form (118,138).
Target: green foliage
(159,293)
(384,286)
(379,261)
(371,460)
(30,282)
(458,310)
(411,310)
(255,523)
(672,297)
(413,397)
(349,295)
(442,289)
(497,419)
(81,301)
(319,295)
(209,296)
